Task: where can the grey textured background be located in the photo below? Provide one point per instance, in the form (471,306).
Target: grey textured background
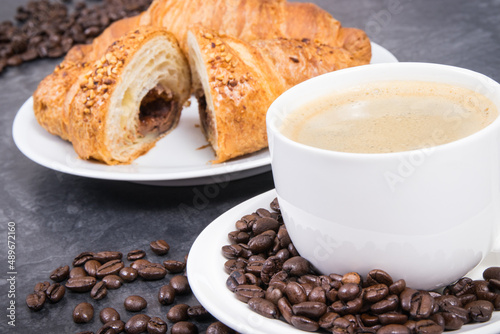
(58,216)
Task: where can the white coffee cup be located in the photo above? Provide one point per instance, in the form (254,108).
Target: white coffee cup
(427,216)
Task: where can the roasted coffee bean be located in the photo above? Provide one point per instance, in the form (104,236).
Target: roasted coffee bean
(482,291)
(91,267)
(285,309)
(112,281)
(219,328)
(178,313)
(327,319)
(106,329)
(136,254)
(304,323)
(87,332)
(491,273)
(494,283)
(378,276)
(273,294)
(467,298)
(392,318)
(296,293)
(463,286)
(81,258)
(349,307)
(275,205)
(349,291)
(107,256)
(369,320)
(55,292)
(375,293)
(81,284)
(180,284)
(317,294)
(141,263)
(60,274)
(117,325)
(157,326)
(231,251)
(480,310)
(135,303)
(166,295)
(406,298)
(112,267)
(231,265)
(152,271)
(108,314)
(83,313)
(159,247)
(198,312)
(264,307)
(236,237)
(265,224)
(254,267)
(128,274)
(388,304)
(184,327)
(99,291)
(351,277)
(313,310)
(246,292)
(297,266)
(283,255)
(342,325)
(41,286)
(422,305)
(35,300)
(237,277)
(397,287)
(77,272)
(262,242)
(270,267)
(261,212)
(137,324)
(394,329)
(174,267)
(447,300)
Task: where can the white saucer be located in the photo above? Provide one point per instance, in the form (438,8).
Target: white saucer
(207,278)
(177,159)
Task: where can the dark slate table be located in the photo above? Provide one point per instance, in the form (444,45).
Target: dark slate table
(58,216)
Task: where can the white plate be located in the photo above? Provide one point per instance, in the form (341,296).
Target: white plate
(207,278)
(176,160)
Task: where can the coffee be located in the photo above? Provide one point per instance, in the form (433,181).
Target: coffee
(390,116)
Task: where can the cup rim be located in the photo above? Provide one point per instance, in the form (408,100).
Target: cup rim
(280,102)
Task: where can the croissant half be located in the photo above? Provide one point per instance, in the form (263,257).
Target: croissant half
(235,82)
(125,101)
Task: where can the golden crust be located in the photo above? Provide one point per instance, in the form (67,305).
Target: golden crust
(245,78)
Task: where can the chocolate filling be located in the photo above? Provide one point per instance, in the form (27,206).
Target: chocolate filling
(158,111)
(202,110)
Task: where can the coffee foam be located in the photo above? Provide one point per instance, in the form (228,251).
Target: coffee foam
(390,116)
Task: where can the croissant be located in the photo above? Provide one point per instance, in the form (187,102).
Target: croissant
(235,82)
(117,107)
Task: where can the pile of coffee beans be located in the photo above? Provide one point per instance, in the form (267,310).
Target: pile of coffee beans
(48,29)
(96,273)
(266,271)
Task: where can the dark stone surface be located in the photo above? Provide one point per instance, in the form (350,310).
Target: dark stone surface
(58,216)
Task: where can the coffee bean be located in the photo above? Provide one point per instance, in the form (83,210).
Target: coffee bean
(491,273)
(397,287)
(274,294)
(60,274)
(378,276)
(394,329)
(180,284)
(41,286)
(349,291)
(262,242)
(327,319)
(35,300)
(166,295)
(296,293)
(106,329)
(422,305)
(314,310)
(482,291)
(392,318)
(112,281)
(174,267)
(178,313)
(275,205)
(99,291)
(81,284)
(198,313)
(112,267)
(246,292)
(77,272)
(264,307)
(428,327)
(108,314)
(304,323)
(265,224)
(462,286)
(136,254)
(107,256)
(83,313)
(237,237)
(91,267)
(231,265)
(237,277)
(184,327)
(137,324)
(81,258)
(375,293)
(231,251)
(152,271)
(389,304)
(159,247)
(55,292)
(219,328)
(157,326)
(135,303)
(128,274)
(351,277)
(480,310)
(138,264)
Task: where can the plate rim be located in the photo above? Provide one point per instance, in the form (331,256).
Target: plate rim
(249,321)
